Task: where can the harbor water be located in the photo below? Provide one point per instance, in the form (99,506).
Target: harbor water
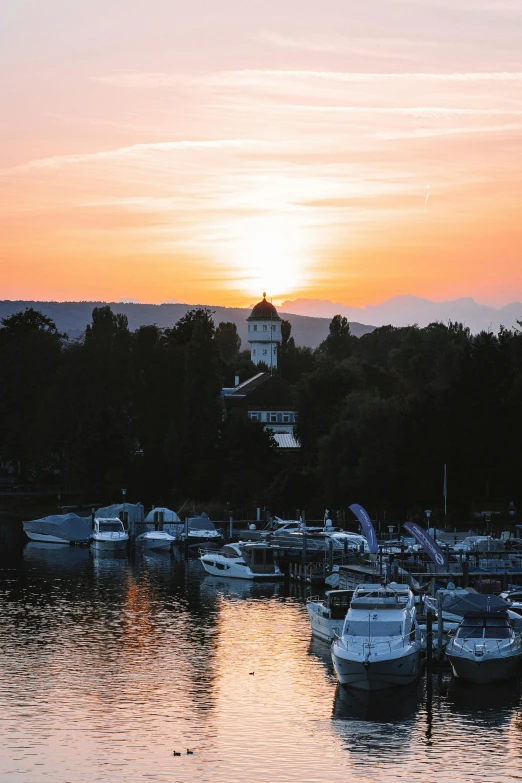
(108,665)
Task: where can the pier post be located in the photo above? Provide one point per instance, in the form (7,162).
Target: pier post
(439,625)
(230,527)
(186,536)
(304,549)
(330,555)
(429,639)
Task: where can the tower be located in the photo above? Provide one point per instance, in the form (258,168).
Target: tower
(264,333)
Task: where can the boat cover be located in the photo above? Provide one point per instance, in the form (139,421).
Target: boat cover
(168,515)
(70,527)
(200,523)
(473,602)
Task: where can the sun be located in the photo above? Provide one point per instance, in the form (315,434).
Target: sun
(269,256)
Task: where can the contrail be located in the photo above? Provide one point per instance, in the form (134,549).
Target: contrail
(427,198)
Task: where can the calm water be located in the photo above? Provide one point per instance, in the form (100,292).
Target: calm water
(108,665)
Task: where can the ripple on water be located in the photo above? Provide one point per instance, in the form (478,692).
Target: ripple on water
(107,666)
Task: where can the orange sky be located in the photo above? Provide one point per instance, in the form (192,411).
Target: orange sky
(339,150)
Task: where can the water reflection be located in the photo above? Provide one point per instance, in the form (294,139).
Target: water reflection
(388,706)
(109,664)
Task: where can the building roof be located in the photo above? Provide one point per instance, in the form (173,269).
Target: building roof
(262,391)
(264,311)
(285,440)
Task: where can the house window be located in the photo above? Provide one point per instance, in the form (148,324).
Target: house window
(265,328)
(275,350)
(255,327)
(254,352)
(273,327)
(286,418)
(273,418)
(254,416)
(265,352)
(248,327)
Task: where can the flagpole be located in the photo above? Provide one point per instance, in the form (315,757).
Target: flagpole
(445,492)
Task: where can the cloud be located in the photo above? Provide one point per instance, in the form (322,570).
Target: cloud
(137,151)
(424,133)
(250,76)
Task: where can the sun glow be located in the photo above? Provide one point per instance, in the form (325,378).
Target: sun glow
(270,254)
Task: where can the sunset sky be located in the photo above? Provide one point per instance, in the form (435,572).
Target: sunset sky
(205,151)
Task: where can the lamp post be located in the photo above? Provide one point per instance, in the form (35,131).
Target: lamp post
(428,515)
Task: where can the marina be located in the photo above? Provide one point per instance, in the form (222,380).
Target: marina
(127,659)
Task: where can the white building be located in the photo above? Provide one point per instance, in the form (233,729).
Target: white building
(264,333)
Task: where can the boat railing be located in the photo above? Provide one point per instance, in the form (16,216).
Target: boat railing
(392,643)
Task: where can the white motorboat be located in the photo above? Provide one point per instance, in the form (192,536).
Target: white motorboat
(327,615)
(380,643)
(157,540)
(485,648)
(109,534)
(241,561)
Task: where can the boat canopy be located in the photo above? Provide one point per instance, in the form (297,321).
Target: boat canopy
(168,515)
(70,527)
(200,523)
(474,602)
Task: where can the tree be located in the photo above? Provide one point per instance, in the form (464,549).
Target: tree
(228,341)
(339,343)
(30,356)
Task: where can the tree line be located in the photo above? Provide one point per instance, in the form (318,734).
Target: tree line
(377,416)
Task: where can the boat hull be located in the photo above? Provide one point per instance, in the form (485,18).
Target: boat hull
(156,546)
(378,674)
(484,672)
(323,627)
(113,545)
(236,571)
(46,538)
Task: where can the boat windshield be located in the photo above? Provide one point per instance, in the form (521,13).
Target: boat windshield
(110,527)
(487,628)
(373,628)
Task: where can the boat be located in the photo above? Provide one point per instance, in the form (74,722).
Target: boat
(59,529)
(157,540)
(109,534)
(243,560)
(200,530)
(485,648)
(380,643)
(451,596)
(327,615)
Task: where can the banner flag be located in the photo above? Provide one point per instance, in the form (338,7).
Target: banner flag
(366,524)
(427,543)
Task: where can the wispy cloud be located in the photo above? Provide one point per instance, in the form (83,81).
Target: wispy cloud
(139,150)
(376,48)
(424,133)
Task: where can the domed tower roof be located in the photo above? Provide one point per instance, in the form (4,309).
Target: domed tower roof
(264,311)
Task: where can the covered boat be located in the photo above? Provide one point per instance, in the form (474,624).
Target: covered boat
(59,529)
(202,530)
(485,648)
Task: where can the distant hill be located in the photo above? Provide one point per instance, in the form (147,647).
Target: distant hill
(406,310)
(73,317)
